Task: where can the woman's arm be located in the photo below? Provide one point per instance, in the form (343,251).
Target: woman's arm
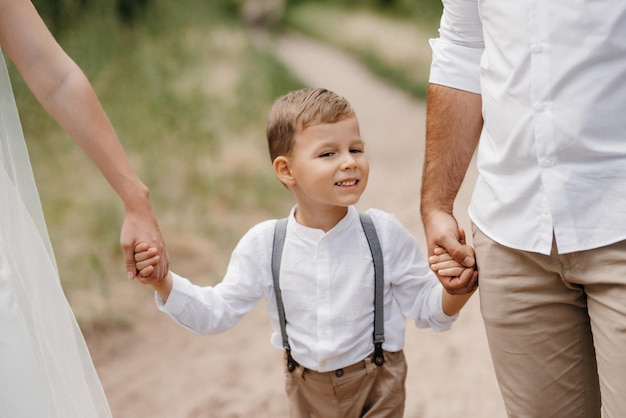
(65,93)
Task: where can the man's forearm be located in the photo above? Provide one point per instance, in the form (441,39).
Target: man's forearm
(453,125)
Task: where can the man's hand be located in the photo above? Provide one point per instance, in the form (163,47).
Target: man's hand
(442,231)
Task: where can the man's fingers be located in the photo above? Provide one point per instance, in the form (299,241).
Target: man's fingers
(465,283)
(462,236)
(464,255)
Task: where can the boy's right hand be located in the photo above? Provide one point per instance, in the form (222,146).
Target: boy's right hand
(146,259)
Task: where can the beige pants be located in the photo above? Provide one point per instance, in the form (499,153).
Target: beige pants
(556,327)
(360,390)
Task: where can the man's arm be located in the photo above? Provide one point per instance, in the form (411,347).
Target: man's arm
(453,125)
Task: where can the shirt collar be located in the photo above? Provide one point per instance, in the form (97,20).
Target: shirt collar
(316,235)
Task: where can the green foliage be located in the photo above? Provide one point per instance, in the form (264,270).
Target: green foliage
(59,14)
(64,15)
(187,87)
(130,10)
(188,90)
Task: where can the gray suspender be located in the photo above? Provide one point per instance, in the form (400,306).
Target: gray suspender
(379,274)
(277,253)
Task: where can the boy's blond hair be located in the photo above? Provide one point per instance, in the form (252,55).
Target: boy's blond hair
(299,109)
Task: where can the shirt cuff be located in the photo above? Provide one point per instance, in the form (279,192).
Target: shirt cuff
(455,65)
(440,321)
(178,298)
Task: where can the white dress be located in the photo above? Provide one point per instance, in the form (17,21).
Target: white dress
(45,367)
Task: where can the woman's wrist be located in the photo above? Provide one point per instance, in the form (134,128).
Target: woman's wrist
(137,198)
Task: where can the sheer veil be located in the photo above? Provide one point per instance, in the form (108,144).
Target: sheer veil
(69,380)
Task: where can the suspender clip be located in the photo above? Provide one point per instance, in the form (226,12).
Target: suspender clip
(379,357)
(291,363)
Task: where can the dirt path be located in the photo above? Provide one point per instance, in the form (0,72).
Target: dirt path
(162,371)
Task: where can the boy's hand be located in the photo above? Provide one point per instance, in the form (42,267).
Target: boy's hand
(146,260)
(443,264)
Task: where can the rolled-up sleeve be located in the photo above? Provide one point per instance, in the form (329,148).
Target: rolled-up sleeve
(456,54)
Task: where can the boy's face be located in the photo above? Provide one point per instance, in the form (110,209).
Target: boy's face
(328,165)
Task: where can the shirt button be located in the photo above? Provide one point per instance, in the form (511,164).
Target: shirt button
(536,48)
(547,163)
(322,296)
(323,335)
(540,107)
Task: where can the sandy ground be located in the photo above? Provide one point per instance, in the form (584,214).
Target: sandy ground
(159,370)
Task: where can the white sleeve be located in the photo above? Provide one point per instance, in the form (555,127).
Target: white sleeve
(213,309)
(456,54)
(416,289)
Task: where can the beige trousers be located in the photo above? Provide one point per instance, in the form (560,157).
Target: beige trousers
(360,390)
(556,327)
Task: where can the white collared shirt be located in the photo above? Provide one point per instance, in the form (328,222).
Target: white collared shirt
(552,154)
(327,283)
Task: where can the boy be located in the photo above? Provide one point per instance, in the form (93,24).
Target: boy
(323,309)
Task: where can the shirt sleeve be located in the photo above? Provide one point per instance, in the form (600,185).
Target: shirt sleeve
(213,309)
(456,54)
(416,289)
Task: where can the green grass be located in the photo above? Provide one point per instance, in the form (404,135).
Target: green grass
(187,90)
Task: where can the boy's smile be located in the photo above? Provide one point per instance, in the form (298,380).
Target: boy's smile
(328,169)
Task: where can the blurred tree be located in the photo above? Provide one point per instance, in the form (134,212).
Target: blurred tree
(59,14)
(129,10)
(62,14)
(261,13)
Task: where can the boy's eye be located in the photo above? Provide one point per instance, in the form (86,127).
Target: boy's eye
(326,154)
(356,150)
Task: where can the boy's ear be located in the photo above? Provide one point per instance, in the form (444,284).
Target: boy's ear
(282,169)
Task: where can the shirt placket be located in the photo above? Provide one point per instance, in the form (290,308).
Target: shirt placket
(542,125)
(324,307)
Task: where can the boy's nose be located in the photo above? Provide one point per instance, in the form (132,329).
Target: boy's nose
(349,161)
